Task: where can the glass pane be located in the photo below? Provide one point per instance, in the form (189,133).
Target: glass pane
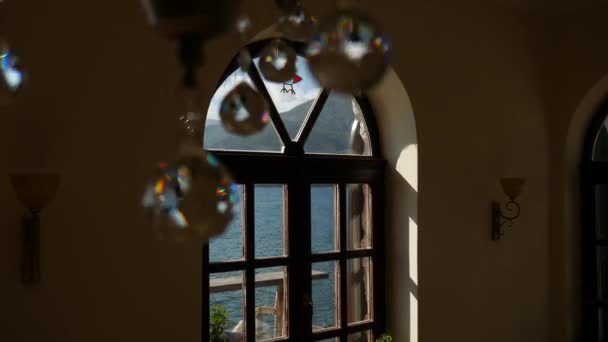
(600,149)
(336,339)
(217,138)
(227,300)
(269,221)
(363,336)
(358,293)
(601,207)
(358,216)
(229,245)
(323,218)
(294,99)
(340,128)
(325,294)
(270,303)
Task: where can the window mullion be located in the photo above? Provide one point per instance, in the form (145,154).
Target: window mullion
(249,258)
(299,268)
(378,292)
(274,113)
(342,224)
(206,294)
(312,117)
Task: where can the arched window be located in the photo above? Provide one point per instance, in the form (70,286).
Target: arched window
(594,212)
(304,258)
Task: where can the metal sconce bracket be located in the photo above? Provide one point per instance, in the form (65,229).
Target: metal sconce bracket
(34,190)
(500,218)
(30,248)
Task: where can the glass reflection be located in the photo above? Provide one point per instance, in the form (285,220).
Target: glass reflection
(340,129)
(269,221)
(217,137)
(359,292)
(229,245)
(325,296)
(271,303)
(323,219)
(293,98)
(358,218)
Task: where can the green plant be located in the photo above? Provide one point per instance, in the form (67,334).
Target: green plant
(218,323)
(384,338)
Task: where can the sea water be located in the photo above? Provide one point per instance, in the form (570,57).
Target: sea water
(270,242)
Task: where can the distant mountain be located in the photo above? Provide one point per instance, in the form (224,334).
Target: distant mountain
(331,133)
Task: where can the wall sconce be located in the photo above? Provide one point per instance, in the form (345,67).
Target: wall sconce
(34,191)
(512,188)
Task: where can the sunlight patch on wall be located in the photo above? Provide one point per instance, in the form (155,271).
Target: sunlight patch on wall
(413,251)
(413,318)
(407,165)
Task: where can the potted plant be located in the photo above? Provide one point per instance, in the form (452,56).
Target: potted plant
(218,323)
(384,338)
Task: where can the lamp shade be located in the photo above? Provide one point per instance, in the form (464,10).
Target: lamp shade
(35,190)
(512,186)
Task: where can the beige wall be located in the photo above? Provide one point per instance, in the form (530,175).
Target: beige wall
(573,54)
(98,107)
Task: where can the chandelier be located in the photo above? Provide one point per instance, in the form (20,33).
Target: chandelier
(192,196)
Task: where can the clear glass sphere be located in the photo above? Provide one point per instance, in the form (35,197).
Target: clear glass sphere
(297,24)
(11,75)
(278,62)
(244,111)
(349,54)
(191,199)
(243,25)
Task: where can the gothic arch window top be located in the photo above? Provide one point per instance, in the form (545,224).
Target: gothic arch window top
(305,119)
(304,258)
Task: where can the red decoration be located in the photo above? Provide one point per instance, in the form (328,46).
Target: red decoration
(296,79)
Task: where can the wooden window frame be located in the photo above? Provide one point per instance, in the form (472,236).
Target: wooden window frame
(298,171)
(592,173)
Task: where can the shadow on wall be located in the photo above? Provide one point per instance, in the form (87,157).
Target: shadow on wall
(397,127)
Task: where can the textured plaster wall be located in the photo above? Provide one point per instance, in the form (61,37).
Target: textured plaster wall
(99,109)
(572,56)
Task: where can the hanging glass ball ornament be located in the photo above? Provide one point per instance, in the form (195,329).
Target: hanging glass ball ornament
(243,25)
(278,62)
(349,54)
(244,111)
(297,24)
(11,75)
(192,198)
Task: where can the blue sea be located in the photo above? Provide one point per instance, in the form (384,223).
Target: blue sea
(270,242)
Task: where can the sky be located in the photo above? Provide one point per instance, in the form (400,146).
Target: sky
(306,90)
